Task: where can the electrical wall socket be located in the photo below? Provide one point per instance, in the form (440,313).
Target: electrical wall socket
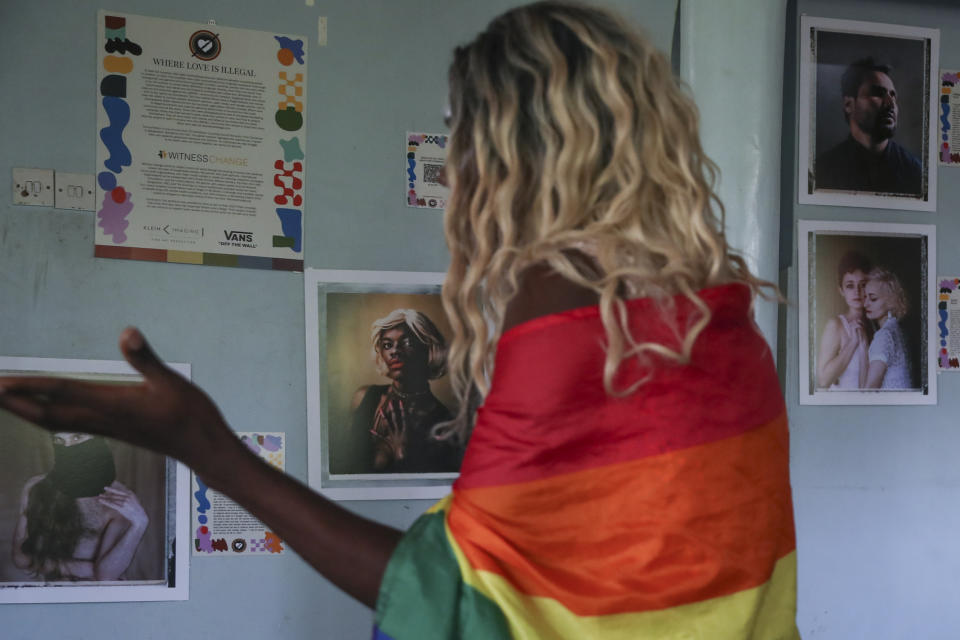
(33,186)
(74,191)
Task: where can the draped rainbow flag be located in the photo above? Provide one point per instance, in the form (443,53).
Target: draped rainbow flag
(664,514)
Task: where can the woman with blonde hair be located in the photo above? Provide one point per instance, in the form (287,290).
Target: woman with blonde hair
(627,467)
(885,303)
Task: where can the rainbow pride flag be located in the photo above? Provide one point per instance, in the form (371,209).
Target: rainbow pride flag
(663,514)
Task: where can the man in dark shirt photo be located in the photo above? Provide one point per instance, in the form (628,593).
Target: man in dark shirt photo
(868,159)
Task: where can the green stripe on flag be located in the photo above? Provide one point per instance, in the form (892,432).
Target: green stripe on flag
(423,597)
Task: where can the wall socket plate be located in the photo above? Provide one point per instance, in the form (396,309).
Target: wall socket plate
(74,191)
(33,187)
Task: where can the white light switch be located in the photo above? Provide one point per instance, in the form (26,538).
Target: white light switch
(33,186)
(74,191)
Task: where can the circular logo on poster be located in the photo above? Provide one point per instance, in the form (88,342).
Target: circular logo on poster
(204,45)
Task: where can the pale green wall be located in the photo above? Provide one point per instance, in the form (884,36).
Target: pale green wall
(732,58)
(382,73)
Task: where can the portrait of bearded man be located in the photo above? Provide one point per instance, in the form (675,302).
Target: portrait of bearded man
(869,159)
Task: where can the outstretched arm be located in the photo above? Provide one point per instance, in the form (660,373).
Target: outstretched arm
(170,415)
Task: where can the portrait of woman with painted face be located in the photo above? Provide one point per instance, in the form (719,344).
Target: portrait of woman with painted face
(399,417)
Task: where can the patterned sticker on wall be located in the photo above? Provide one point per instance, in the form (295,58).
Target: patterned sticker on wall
(949,118)
(948,324)
(220,526)
(426,183)
(202,134)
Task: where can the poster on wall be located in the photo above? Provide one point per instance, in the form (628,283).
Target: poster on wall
(426,157)
(377,385)
(201,141)
(869,103)
(948,323)
(867,313)
(223,528)
(84,518)
(949,118)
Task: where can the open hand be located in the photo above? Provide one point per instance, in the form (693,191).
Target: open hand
(390,427)
(165,412)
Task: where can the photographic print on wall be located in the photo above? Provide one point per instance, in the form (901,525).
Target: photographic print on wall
(377,385)
(869,102)
(88,519)
(867,321)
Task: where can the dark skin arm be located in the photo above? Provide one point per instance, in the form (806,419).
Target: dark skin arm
(169,415)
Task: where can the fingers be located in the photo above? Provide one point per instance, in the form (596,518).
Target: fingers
(57,404)
(117,491)
(140,356)
(24,407)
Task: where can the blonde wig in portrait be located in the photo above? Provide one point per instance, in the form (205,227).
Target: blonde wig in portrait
(422,329)
(570,135)
(891,284)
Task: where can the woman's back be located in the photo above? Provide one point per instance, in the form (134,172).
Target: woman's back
(579,514)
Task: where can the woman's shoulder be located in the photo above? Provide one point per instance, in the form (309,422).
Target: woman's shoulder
(541,291)
(834,323)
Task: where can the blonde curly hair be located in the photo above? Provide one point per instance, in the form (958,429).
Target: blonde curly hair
(897,296)
(571,136)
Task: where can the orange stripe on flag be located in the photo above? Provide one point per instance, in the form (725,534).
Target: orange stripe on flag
(647,534)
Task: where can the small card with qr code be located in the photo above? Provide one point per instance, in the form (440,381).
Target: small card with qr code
(426,156)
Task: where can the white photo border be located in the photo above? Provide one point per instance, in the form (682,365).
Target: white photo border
(112,592)
(806,114)
(396,486)
(866,396)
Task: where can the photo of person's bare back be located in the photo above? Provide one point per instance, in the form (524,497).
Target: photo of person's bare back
(78,522)
(86,518)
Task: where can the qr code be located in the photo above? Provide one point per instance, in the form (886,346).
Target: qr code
(432,173)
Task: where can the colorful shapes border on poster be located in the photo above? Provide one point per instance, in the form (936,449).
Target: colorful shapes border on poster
(289,119)
(117,64)
(291,89)
(291,223)
(114,86)
(291,149)
(290,50)
(107,180)
(113,215)
(197,257)
(118,45)
(111,23)
(118,112)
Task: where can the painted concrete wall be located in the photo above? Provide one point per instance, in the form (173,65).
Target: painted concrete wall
(732,58)
(382,73)
(876,488)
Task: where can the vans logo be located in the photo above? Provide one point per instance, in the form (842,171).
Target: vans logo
(239,236)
